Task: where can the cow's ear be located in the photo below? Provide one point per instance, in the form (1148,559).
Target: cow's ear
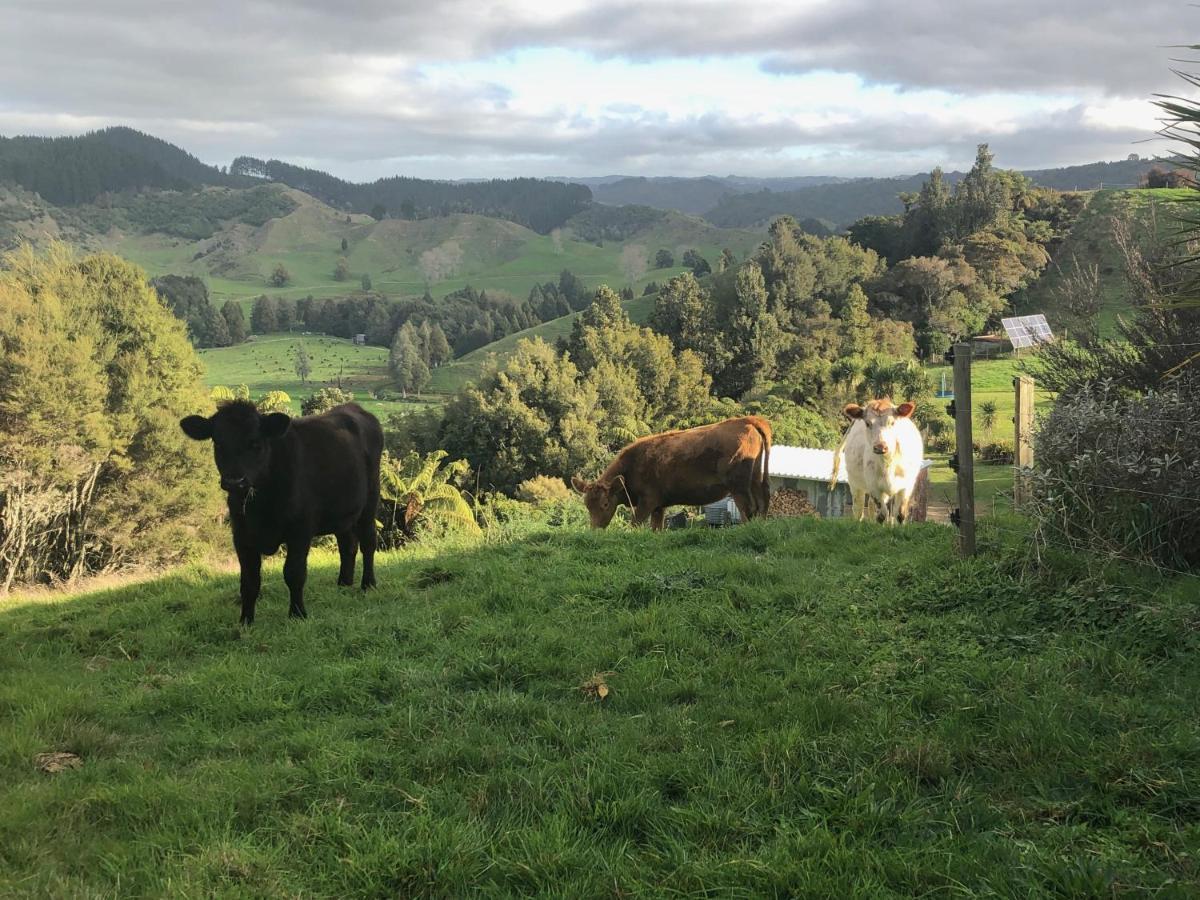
(904,410)
(198,428)
(579,484)
(853,411)
(274,425)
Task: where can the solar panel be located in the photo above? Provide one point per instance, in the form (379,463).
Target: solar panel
(1026,331)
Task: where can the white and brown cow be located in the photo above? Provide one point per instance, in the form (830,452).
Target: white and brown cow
(883,454)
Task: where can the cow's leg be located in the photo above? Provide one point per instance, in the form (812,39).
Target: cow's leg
(641,512)
(884,504)
(745,505)
(366,540)
(347,548)
(295,572)
(250,562)
(656,519)
(859,505)
(902,500)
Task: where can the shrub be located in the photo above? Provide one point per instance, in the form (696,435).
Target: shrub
(325,399)
(542,490)
(95,374)
(1120,475)
(997,453)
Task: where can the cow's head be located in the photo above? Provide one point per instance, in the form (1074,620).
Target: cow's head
(242,438)
(880,418)
(601,497)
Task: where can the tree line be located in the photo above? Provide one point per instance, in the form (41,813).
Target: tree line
(534,203)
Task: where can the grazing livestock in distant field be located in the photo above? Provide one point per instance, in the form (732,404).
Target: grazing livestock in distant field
(685,468)
(289,480)
(883,455)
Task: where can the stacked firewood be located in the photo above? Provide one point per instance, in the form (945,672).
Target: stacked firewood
(788,502)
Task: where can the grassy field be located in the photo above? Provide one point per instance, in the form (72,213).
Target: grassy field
(793,708)
(991,381)
(267,363)
(486,253)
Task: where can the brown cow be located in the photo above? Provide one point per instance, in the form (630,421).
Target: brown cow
(685,468)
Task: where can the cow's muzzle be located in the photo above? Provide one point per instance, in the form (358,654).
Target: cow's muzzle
(234,484)
(879,450)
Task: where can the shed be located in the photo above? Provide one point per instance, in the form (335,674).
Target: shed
(807,470)
(360,340)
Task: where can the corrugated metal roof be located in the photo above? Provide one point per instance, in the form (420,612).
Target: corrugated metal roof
(802,462)
(805,462)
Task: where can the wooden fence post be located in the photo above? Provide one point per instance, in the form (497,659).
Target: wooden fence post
(1022,438)
(965,451)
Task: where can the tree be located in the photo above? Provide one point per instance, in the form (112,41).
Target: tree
(404,361)
(285,314)
(187,297)
(324,400)
(664,259)
(95,374)
(439,347)
(235,321)
(697,263)
(727,261)
(378,211)
(683,311)
(341,271)
(301,363)
(345,246)
(263,317)
(752,334)
(280,276)
(366,282)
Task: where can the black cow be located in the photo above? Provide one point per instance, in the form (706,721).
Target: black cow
(289,480)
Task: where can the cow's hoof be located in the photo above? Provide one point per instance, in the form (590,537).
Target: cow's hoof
(246,622)
(368,585)
(297,613)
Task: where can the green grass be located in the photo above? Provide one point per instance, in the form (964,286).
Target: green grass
(267,363)
(991,380)
(797,708)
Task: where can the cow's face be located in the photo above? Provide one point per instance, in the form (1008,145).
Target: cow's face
(601,498)
(242,439)
(880,417)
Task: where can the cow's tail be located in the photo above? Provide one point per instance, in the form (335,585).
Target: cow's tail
(762,488)
(837,460)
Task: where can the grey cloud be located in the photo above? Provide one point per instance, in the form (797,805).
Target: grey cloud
(262,77)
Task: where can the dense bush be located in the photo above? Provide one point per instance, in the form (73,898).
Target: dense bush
(324,400)
(95,374)
(1120,474)
(542,490)
(997,453)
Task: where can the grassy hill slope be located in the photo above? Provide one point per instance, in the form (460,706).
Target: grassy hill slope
(1091,242)
(796,708)
(484,252)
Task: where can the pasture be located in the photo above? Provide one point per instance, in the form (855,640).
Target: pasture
(267,363)
(483,252)
(789,707)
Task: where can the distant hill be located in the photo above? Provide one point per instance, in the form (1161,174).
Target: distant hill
(694,195)
(535,203)
(67,171)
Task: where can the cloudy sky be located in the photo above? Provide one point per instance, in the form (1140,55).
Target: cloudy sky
(450,89)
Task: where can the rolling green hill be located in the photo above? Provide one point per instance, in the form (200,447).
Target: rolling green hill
(404,257)
(790,708)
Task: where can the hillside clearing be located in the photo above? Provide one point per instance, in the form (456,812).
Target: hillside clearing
(793,708)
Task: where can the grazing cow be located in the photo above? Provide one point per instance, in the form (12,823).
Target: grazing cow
(883,453)
(685,468)
(289,480)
